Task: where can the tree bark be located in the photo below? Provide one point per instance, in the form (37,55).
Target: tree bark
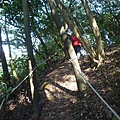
(73,26)
(69,47)
(31,60)
(4,64)
(97,56)
(99,45)
(10,56)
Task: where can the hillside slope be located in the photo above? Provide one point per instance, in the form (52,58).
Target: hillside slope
(59,98)
(62,101)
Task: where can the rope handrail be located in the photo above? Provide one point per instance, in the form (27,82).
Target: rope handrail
(80,73)
(4,99)
(2,103)
(86,81)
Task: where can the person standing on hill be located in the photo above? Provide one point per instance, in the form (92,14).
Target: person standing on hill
(77,46)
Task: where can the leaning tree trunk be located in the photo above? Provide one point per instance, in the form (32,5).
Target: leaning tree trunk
(73,26)
(31,60)
(10,56)
(69,47)
(99,48)
(4,64)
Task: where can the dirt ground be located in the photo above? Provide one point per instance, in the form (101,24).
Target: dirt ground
(60,99)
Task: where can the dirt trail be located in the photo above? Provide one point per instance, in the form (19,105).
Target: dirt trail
(60,99)
(62,102)
(60,93)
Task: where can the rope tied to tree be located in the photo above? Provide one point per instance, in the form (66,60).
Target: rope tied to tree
(80,73)
(86,81)
(4,99)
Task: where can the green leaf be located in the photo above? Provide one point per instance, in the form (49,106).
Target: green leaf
(62,106)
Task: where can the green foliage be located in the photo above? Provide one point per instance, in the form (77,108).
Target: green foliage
(52,47)
(1,75)
(107,17)
(21,67)
(105,12)
(13,10)
(4,90)
(41,22)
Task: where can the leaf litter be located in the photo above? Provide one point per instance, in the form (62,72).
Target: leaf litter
(60,98)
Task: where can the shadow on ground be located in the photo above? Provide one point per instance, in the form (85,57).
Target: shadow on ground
(59,97)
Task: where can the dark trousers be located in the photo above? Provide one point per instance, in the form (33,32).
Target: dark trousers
(77,51)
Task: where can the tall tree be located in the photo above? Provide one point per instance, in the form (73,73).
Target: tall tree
(99,45)
(62,30)
(10,54)
(31,60)
(98,56)
(73,26)
(4,63)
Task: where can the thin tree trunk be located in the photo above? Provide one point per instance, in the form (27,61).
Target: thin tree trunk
(69,47)
(10,57)
(31,60)
(99,46)
(4,64)
(73,26)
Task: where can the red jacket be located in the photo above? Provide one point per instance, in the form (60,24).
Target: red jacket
(76,41)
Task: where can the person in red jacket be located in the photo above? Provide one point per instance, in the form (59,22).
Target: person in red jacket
(77,46)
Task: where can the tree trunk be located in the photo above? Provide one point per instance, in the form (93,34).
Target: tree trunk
(4,64)
(10,56)
(69,47)
(99,48)
(31,60)
(73,26)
